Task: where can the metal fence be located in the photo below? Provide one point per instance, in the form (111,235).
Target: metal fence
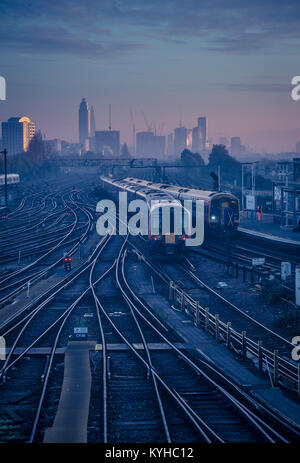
(278,369)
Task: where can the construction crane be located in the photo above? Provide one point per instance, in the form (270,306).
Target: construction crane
(133,130)
(149,128)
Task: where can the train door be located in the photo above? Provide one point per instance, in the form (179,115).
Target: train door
(223,214)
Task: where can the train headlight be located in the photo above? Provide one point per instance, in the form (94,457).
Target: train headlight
(213,217)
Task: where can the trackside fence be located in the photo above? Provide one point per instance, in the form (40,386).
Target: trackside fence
(279,370)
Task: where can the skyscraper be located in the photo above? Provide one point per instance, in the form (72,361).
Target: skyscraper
(196,137)
(180,139)
(202,124)
(92,119)
(17,133)
(170,144)
(84,122)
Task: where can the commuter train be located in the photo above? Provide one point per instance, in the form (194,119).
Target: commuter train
(158,203)
(221,209)
(12,179)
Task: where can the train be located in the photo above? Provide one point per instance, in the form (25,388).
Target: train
(158,203)
(12,179)
(221,209)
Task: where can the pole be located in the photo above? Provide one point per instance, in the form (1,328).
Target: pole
(243,204)
(219,178)
(4,152)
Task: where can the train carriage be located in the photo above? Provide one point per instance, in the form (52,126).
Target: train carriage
(221,209)
(158,203)
(12,179)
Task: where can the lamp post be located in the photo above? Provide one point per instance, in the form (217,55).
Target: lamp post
(4,152)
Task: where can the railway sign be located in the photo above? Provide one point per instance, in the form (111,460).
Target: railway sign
(256,261)
(81,331)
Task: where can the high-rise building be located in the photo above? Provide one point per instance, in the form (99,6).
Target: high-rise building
(92,121)
(144,143)
(180,140)
(298,147)
(196,138)
(170,144)
(107,142)
(17,133)
(202,124)
(84,122)
(159,145)
(149,144)
(235,146)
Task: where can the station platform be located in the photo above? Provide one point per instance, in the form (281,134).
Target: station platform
(71,420)
(266,229)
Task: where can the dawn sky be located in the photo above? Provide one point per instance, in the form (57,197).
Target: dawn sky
(229,60)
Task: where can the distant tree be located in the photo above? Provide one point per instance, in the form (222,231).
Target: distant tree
(36,149)
(191,159)
(125,153)
(219,156)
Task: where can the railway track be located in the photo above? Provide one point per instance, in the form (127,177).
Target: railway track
(151,386)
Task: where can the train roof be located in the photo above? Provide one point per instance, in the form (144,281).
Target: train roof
(176,189)
(150,194)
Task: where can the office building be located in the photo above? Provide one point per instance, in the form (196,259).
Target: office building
(180,140)
(196,137)
(159,145)
(92,121)
(84,122)
(107,142)
(144,143)
(202,124)
(16,134)
(170,149)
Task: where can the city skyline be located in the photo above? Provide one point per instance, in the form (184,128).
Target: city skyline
(175,62)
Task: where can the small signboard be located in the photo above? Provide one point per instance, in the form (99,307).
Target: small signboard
(250,202)
(81,332)
(258,261)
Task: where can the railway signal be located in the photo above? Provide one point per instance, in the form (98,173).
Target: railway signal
(68,262)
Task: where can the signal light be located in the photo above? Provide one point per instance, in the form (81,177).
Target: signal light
(67,262)
(184,238)
(67,213)
(155,238)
